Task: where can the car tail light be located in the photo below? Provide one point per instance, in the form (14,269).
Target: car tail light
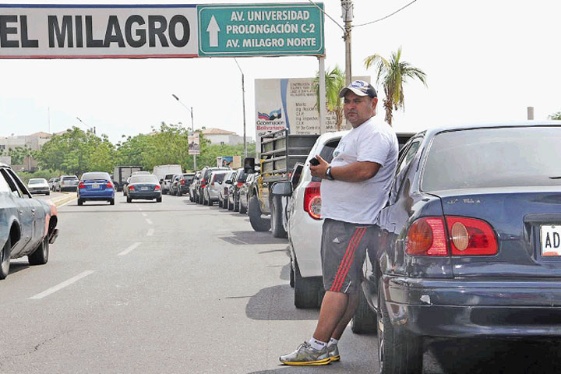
(182,182)
(157,188)
(203,183)
(81,185)
(131,188)
(312,200)
(432,236)
(109,185)
(239,184)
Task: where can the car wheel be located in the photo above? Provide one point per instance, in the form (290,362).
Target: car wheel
(399,351)
(129,200)
(236,204)
(364,319)
(221,204)
(80,202)
(41,255)
(308,292)
(257,221)
(48,193)
(5,259)
(276,218)
(243,209)
(112,202)
(291,277)
(159,200)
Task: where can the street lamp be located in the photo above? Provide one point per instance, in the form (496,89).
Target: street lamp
(243,103)
(192,125)
(91,129)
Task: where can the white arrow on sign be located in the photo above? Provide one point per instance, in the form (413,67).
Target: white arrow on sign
(213,30)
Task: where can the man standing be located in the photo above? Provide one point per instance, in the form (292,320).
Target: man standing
(355,188)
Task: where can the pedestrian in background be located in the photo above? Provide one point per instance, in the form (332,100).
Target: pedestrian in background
(354,189)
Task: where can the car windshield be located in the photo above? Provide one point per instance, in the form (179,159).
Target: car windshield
(498,157)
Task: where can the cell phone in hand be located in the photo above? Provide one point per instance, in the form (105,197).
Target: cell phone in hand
(314,161)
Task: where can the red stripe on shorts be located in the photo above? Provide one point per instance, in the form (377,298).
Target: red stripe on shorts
(348,259)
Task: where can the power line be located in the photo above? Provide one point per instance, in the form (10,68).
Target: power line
(388,16)
(362,24)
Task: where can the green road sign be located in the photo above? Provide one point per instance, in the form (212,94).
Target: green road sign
(260,30)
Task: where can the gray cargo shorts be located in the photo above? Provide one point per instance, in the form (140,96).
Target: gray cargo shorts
(343,249)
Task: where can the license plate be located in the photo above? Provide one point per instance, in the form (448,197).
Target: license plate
(551,240)
(95,186)
(144,188)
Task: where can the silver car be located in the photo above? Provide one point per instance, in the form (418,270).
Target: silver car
(211,192)
(38,186)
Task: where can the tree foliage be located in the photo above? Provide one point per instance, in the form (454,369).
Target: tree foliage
(334,83)
(555,116)
(393,73)
(76,151)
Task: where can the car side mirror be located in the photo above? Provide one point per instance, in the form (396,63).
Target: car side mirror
(282,189)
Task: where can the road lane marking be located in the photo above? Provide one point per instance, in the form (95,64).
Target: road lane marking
(149,221)
(150,232)
(129,249)
(60,286)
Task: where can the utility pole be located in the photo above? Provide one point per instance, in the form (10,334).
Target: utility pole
(347,15)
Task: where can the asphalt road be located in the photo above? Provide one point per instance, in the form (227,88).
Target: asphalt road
(177,287)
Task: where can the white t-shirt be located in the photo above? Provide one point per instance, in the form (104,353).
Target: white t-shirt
(360,202)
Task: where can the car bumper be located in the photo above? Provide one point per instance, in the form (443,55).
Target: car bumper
(470,308)
(45,190)
(144,195)
(96,195)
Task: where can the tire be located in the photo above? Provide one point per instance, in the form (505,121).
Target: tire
(291,277)
(5,259)
(112,202)
(276,218)
(399,351)
(236,205)
(221,204)
(129,200)
(80,202)
(364,319)
(307,291)
(48,193)
(41,254)
(257,222)
(243,210)
(158,199)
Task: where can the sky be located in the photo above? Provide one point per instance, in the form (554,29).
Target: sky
(484,61)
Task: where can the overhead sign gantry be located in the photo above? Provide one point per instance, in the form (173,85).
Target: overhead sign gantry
(160,31)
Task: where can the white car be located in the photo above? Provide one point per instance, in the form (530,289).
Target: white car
(38,186)
(302,221)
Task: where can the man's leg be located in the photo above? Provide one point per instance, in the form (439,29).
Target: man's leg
(333,309)
(352,304)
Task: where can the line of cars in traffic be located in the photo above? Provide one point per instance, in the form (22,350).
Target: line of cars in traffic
(468,244)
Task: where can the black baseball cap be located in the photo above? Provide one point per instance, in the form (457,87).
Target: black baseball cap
(360,88)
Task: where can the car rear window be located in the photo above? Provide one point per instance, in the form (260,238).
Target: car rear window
(219,177)
(144,179)
(95,176)
(69,178)
(503,157)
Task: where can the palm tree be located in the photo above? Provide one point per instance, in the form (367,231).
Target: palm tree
(334,82)
(393,73)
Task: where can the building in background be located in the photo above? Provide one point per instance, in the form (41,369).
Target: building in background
(219,136)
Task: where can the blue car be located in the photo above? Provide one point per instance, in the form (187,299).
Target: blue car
(96,186)
(469,241)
